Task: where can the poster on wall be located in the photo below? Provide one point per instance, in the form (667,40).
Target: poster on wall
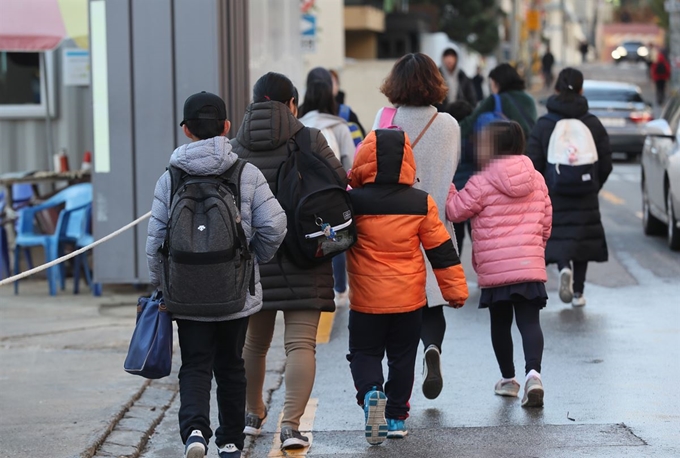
(308,30)
(76,67)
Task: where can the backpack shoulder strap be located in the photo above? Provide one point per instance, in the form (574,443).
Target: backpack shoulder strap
(344,112)
(387,117)
(232,178)
(303,139)
(553,117)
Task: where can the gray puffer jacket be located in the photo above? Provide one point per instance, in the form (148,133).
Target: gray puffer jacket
(263,219)
(264,140)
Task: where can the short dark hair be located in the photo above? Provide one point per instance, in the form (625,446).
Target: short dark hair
(569,84)
(459,110)
(206,128)
(319,96)
(274,87)
(507,78)
(450,52)
(507,137)
(414,81)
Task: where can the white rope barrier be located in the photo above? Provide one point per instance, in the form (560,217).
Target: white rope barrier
(28,273)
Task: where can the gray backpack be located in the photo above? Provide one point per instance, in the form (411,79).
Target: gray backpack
(207,266)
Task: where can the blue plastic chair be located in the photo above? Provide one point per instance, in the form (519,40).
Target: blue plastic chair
(71,226)
(22,195)
(81,262)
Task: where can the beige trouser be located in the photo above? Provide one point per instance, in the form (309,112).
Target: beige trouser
(300,346)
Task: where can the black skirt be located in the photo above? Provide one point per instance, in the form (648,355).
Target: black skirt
(532,292)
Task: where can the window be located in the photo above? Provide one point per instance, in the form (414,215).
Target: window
(612,95)
(22,84)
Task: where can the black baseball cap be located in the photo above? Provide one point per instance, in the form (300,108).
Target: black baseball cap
(196,102)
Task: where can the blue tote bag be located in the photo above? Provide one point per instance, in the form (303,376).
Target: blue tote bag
(150,352)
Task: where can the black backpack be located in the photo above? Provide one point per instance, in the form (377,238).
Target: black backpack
(208,268)
(317,205)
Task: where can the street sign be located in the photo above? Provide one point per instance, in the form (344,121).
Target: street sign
(308,33)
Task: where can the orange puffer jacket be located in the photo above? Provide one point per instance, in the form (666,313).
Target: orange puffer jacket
(386,267)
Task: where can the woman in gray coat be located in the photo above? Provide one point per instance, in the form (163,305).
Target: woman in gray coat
(265,139)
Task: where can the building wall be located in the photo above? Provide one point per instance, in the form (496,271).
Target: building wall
(361,45)
(330,43)
(23,142)
(361,81)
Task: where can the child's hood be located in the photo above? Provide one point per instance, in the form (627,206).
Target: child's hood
(384,157)
(512,175)
(204,157)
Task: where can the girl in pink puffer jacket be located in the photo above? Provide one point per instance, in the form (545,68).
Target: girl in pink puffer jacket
(511,217)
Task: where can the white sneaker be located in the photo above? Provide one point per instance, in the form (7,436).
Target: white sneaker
(342,299)
(566,285)
(533,393)
(579,300)
(508,388)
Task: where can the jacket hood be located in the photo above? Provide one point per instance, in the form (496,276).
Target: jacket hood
(267,126)
(384,157)
(512,175)
(204,157)
(577,108)
(321,120)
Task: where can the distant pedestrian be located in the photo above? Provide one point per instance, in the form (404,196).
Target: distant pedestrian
(661,73)
(211,331)
(583,49)
(547,63)
(267,136)
(387,278)
(511,216)
(459,86)
(414,86)
(516,103)
(478,82)
(578,235)
(466,167)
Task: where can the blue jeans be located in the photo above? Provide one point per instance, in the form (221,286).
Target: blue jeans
(340,273)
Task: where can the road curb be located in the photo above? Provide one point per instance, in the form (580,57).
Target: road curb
(129,431)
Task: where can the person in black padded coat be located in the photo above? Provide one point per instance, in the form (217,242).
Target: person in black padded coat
(578,235)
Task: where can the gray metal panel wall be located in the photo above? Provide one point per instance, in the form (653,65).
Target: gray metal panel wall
(114,192)
(153,98)
(234,61)
(196,32)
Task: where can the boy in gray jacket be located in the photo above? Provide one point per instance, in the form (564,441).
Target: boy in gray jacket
(213,343)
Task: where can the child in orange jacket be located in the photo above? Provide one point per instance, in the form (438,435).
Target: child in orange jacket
(387,277)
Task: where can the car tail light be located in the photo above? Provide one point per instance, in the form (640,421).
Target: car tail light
(641,116)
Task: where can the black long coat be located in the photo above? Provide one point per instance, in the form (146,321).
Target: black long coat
(577,234)
(263,140)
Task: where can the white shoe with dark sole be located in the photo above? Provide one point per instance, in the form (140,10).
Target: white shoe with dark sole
(432,373)
(566,285)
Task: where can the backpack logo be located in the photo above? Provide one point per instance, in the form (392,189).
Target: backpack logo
(201,228)
(347,215)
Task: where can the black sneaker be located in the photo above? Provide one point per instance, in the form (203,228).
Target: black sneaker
(432,373)
(254,424)
(292,439)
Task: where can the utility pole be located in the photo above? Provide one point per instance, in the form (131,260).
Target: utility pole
(514,32)
(673,9)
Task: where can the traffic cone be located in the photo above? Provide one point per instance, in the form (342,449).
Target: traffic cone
(87,161)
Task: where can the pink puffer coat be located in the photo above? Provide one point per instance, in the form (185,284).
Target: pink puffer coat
(511,221)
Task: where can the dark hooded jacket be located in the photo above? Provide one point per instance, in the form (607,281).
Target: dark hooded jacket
(264,140)
(577,233)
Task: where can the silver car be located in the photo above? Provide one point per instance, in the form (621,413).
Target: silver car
(661,175)
(622,111)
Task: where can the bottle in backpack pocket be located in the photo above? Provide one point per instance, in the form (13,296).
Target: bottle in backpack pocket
(572,159)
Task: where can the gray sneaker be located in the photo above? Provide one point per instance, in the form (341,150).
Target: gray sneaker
(254,424)
(509,388)
(292,439)
(566,285)
(533,393)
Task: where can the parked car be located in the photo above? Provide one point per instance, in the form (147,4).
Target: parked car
(661,175)
(622,111)
(631,51)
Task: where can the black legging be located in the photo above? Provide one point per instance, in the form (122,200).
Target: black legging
(528,322)
(434,327)
(579,271)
